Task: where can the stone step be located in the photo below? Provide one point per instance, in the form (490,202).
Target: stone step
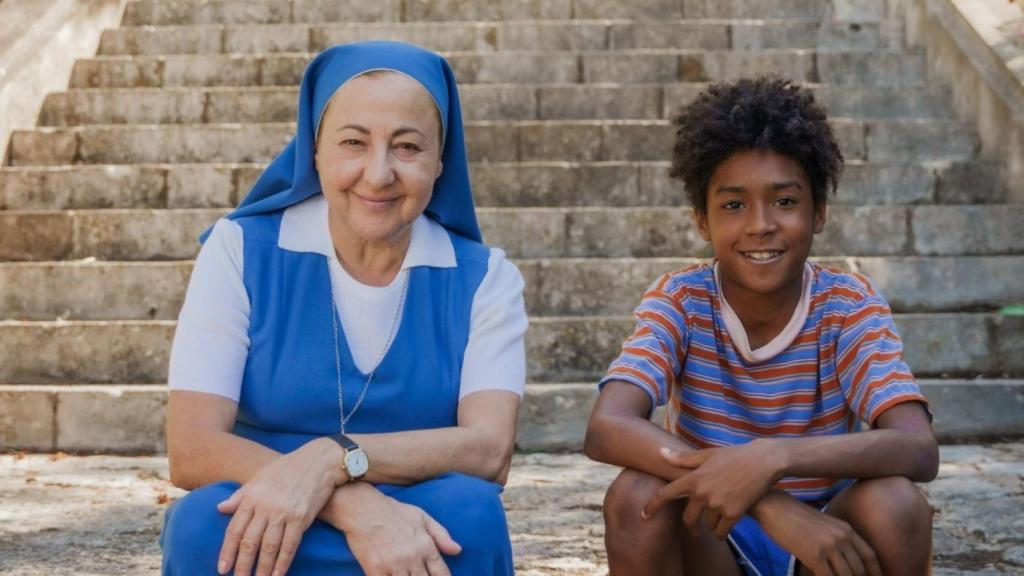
(553,417)
(554,286)
(137,235)
(192,12)
(479,102)
(559,349)
(555,35)
(859,68)
(486,141)
(592,184)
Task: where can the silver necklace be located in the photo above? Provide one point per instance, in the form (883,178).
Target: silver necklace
(337,353)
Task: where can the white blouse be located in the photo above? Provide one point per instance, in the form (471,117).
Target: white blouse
(212,343)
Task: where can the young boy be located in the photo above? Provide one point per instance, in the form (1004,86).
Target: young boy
(768,364)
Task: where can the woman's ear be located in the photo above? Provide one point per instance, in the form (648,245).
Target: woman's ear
(440,169)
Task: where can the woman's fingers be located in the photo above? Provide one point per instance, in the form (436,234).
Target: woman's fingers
(289,546)
(436,566)
(442,539)
(250,546)
(231,504)
(232,537)
(269,547)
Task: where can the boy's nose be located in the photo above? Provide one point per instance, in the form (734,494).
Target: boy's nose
(760,221)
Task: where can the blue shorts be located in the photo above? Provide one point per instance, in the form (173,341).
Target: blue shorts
(756,552)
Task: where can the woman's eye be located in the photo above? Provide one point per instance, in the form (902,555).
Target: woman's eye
(351,142)
(408,147)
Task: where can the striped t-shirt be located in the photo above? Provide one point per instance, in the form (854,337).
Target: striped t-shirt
(844,367)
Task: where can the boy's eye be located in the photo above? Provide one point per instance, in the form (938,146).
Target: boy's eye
(732,205)
(786,201)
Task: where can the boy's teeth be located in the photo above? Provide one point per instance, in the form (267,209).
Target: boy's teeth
(761,255)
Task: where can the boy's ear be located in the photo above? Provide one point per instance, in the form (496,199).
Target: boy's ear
(701,220)
(820,211)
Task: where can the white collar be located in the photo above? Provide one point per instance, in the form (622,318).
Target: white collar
(304,229)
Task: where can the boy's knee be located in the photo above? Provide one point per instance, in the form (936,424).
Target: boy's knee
(626,498)
(892,502)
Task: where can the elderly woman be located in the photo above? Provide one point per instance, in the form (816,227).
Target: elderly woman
(349,359)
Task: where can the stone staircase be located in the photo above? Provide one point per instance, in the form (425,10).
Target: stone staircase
(567,105)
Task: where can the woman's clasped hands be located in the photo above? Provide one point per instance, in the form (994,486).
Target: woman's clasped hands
(272,511)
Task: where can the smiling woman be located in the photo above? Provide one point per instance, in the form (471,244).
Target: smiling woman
(349,359)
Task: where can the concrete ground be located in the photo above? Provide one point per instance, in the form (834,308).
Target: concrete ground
(102,514)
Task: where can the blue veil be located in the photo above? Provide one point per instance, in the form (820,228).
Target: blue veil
(292,176)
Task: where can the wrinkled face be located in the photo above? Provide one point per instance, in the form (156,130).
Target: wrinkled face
(378,154)
(760,220)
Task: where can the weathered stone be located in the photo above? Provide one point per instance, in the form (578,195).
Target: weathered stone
(852,36)
(569,287)
(850,136)
(515,68)
(639,140)
(228,70)
(975,409)
(488,142)
(1010,333)
(437,36)
(318,11)
(57,352)
(201,186)
(746,9)
(117,71)
(920,140)
(26,419)
(35,236)
(536,9)
(525,232)
(120,419)
(871,183)
(82,187)
(468,10)
(163,40)
(598,101)
(125,235)
(640,9)
(754,35)
(857,11)
(936,344)
(669,35)
(630,67)
(185,12)
(557,184)
(552,36)
(723,65)
(102,291)
(968,229)
(634,232)
(80,107)
(974,182)
(553,417)
(871,68)
(883,101)
(281,70)
(578,142)
(184,143)
(573,349)
(45,147)
(498,102)
(863,231)
(658,189)
(262,39)
(251,105)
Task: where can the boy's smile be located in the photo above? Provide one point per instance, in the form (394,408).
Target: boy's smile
(760,220)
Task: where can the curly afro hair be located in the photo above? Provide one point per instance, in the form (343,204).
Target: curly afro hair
(767,113)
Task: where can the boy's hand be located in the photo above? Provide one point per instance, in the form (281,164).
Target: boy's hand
(724,483)
(824,544)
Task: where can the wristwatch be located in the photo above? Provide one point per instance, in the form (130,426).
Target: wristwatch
(355,463)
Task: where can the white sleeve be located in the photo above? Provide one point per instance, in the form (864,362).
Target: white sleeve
(495,357)
(211,344)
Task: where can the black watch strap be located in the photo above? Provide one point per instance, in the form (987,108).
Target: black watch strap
(345,442)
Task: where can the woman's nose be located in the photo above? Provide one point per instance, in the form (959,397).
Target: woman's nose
(379,171)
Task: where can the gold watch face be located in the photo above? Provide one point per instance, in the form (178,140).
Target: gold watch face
(356,463)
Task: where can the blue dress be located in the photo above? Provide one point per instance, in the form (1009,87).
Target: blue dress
(289,397)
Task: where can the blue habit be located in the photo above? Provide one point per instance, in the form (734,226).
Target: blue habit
(289,397)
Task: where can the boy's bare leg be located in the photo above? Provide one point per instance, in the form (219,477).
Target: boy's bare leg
(659,545)
(894,518)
